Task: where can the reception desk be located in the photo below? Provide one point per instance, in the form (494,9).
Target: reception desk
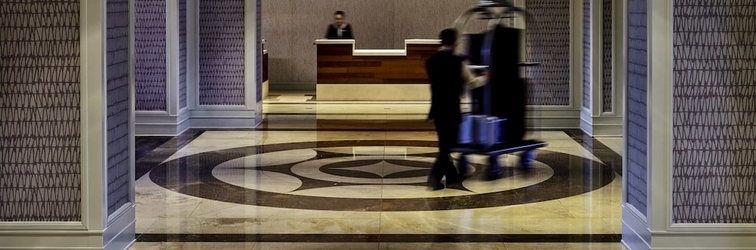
(349,74)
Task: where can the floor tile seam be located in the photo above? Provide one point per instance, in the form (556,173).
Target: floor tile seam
(193,215)
(146,229)
(566,209)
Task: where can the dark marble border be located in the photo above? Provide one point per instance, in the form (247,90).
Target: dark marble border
(446,238)
(161,148)
(146,144)
(598,149)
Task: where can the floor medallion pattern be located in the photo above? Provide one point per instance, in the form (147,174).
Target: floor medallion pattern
(369,175)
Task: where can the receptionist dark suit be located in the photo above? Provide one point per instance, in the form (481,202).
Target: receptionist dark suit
(333,32)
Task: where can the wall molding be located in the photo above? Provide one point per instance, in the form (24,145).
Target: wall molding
(703,237)
(547,117)
(160,123)
(224,117)
(119,232)
(11,227)
(601,125)
(635,232)
(52,239)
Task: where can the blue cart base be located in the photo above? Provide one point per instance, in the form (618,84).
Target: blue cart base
(495,171)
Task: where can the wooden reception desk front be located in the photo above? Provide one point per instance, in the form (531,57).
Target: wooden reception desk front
(349,74)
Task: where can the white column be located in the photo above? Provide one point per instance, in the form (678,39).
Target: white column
(95,230)
(192,54)
(174,120)
(594,121)
(251,56)
(247,115)
(172,55)
(658,230)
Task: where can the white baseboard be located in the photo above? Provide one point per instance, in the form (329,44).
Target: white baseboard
(601,125)
(151,123)
(586,123)
(160,123)
(706,236)
(552,118)
(120,234)
(51,239)
(226,118)
(635,233)
(637,236)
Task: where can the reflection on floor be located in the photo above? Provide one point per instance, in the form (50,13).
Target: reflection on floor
(351,176)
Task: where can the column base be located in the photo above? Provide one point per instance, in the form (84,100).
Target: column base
(601,125)
(225,117)
(635,232)
(160,123)
(70,235)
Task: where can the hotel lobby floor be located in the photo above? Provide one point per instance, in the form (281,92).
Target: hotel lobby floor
(351,176)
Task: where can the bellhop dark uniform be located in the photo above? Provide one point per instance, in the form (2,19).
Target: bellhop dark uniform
(444,71)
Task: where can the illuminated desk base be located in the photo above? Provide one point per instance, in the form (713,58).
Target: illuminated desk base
(373,92)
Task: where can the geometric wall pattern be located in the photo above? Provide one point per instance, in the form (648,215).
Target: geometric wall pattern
(149,54)
(587,54)
(118,102)
(182,53)
(714,123)
(606,47)
(221,52)
(258,60)
(548,42)
(637,85)
(40,166)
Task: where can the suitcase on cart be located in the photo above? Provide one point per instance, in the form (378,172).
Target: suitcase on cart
(496,122)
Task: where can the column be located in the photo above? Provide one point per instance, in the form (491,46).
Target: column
(553,86)
(228,89)
(161,67)
(601,114)
(66,164)
(698,156)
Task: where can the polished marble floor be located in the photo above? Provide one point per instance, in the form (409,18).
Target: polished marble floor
(343,175)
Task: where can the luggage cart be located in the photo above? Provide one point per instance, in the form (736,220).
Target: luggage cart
(496,124)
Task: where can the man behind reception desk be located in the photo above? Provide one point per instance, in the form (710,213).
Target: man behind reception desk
(339,29)
(448,75)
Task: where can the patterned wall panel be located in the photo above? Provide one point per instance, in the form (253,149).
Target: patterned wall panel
(587,54)
(606,48)
(118,103)
(714,128)
(149,54)
(182,53)
(637,85)
(40,167)
(258,60)
(221,52)
(548,42)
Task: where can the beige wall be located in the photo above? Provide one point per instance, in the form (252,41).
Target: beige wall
(291,26)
